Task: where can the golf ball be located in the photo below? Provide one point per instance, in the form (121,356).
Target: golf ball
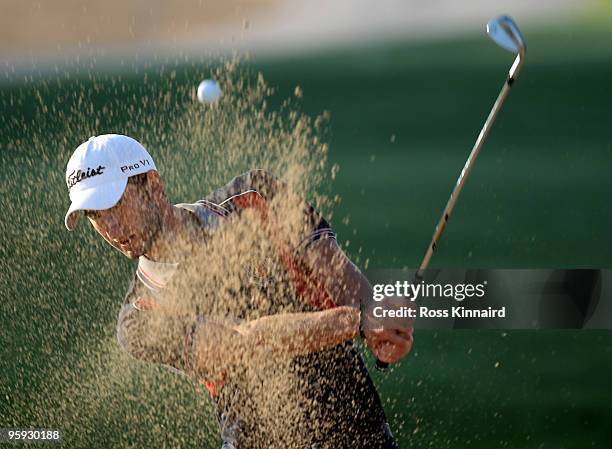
(209,92)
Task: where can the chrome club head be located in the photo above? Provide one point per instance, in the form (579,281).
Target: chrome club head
(505,33)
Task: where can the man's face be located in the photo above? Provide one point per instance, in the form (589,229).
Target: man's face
(131,224)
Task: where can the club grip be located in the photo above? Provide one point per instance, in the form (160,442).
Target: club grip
(381,366)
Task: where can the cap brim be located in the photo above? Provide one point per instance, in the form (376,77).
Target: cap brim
(96,198)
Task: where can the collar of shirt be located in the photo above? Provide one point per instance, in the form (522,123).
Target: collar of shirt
(156,275)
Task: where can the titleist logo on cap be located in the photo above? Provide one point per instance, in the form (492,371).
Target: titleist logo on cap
(79,175)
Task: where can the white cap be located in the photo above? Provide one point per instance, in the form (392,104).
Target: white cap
(98,172)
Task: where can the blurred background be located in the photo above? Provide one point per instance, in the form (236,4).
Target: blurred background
(406,86)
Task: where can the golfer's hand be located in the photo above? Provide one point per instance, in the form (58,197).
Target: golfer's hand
(389,339)
(389,345)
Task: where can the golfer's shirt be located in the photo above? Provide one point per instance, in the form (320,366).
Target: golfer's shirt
(344,406)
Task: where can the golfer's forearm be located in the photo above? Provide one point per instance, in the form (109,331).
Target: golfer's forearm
(295,334)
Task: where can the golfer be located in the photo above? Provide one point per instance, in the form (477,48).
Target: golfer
(113,181)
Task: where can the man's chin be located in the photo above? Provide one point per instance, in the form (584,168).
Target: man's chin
(131,254)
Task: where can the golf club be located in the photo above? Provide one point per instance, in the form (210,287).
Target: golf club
(505,33)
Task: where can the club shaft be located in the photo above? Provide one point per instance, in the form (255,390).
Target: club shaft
(465,173)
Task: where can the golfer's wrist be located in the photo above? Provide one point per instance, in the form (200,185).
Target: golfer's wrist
(365,320)
(362,325)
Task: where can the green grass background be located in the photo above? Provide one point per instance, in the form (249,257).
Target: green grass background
(403,119)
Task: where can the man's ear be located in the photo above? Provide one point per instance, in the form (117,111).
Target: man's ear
(155,186)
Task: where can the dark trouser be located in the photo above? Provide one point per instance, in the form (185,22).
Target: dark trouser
(378,438)
(382,439)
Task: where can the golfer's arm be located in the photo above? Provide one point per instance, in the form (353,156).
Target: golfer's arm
(294,334)
(348,286)
(219,348)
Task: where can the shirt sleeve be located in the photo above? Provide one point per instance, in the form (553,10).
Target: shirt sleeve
(270,188)
(142,333)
